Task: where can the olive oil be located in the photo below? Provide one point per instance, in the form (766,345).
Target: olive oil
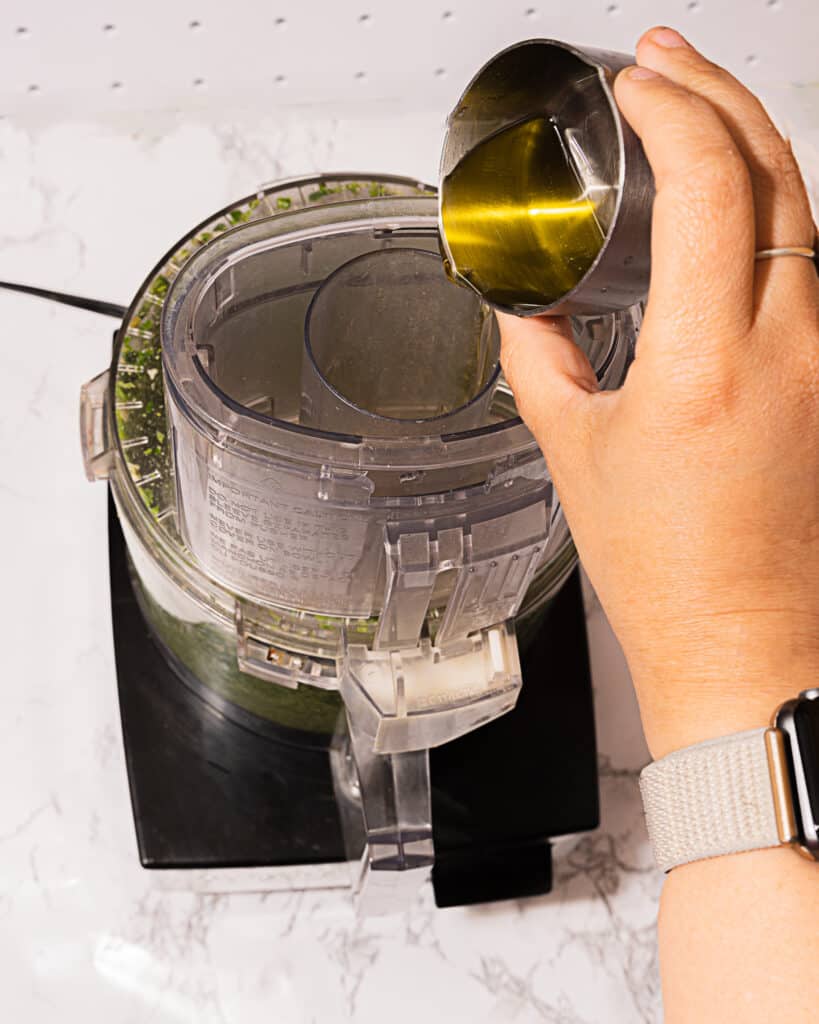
(519,224)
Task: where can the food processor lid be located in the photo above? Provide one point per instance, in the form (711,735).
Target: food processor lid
(301,251)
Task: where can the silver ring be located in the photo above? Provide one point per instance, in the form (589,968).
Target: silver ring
(791,250)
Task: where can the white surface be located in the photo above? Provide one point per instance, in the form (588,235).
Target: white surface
(114,55)
(85,935)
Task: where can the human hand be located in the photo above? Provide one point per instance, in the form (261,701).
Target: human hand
(692,493)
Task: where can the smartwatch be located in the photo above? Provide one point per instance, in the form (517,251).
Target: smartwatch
(747,791)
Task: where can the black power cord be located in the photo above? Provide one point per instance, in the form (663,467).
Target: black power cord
(93,305)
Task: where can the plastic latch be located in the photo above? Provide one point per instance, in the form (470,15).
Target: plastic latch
(422,697)
(95,427)
(495,557)
(409,693)
(265,655)
(499,560)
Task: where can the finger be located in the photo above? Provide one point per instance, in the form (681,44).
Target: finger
(552,381)
(702,232)
(782,211)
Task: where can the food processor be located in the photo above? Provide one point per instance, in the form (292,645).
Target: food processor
(333,546)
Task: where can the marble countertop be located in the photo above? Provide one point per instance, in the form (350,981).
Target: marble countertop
(85,933)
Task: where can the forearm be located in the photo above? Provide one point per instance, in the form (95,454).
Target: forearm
(739,940)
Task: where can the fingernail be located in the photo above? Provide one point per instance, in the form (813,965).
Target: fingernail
(641,73)
(668,37)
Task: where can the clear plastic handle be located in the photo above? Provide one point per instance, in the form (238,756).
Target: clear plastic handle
(407,692)
(386,815)
(97,452)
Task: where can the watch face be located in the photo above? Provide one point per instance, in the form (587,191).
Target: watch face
(806,726)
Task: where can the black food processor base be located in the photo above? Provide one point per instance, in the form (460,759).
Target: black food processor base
(211,789)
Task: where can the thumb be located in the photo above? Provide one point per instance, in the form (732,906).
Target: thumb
(552,380)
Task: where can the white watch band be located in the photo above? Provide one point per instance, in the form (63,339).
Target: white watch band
(710,799)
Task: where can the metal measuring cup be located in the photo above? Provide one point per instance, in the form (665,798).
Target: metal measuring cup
(543,78)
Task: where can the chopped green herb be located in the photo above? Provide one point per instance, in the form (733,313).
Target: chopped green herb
(160,286)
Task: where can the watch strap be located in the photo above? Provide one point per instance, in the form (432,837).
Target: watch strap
(710,799)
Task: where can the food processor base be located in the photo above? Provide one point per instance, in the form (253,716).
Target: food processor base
(211,789)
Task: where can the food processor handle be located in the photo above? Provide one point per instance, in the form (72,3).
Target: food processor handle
(409,692)
(386,816)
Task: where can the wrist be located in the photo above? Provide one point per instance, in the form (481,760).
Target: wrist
(693,718)
(687,696)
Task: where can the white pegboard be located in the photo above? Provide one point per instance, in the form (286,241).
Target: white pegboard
(97,56)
